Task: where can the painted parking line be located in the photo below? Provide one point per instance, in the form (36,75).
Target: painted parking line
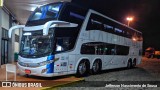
(55,87)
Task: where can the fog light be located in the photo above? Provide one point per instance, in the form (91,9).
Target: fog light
(44,70)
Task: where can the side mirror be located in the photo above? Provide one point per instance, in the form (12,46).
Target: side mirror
(55,23)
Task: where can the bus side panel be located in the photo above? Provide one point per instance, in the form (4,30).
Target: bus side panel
(72,62)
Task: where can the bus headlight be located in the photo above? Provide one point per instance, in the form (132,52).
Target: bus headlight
(45,63)
(49,60)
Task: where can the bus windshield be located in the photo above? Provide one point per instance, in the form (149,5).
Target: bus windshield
(33,44)
(44,14)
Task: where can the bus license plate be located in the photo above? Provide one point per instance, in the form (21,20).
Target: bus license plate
(27,71)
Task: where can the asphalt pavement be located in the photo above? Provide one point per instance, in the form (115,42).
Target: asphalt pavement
(147,73)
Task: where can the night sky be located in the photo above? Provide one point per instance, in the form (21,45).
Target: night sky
(146,16)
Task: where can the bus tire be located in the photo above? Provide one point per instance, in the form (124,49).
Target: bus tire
(83,68)
(96,68)
(129,65)
(134,63)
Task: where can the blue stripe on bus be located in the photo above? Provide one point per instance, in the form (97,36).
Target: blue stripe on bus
(45,12)
(50,67)
(43,8)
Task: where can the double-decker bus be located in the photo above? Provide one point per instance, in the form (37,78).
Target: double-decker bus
(63,38)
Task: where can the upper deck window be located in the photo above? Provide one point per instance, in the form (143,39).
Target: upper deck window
(45,12)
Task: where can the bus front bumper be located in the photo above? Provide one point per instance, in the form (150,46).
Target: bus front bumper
(36,71)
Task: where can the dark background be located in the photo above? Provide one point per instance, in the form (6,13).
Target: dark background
(146,16)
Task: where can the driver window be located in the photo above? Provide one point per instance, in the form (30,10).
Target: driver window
(62,44)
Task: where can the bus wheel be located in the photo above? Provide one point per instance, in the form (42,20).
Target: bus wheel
(96,67)
(82,68)
(129,65)
(134,63)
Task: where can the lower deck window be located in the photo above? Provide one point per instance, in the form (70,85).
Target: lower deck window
(99,48)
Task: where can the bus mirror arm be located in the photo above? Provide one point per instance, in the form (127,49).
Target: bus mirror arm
(14,28)
(46,27)
(54,23)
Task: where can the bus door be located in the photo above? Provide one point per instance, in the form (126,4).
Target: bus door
(61,63)
(62,46)
(71,62)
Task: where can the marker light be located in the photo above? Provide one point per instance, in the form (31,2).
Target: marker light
(134,39)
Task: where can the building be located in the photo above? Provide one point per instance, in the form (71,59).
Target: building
(12,13)
(7,21)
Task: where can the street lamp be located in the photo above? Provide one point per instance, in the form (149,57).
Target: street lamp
(1,3)
(129,19)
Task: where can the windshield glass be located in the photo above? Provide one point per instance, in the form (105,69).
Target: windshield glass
(44,13)
(34,44)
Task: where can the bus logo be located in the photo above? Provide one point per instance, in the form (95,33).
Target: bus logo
(6,84)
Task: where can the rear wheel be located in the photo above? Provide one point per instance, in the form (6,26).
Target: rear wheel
(129,65)
(82,69)
(96,67)
(134,63)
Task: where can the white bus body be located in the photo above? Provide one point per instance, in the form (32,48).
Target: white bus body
(93,49)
